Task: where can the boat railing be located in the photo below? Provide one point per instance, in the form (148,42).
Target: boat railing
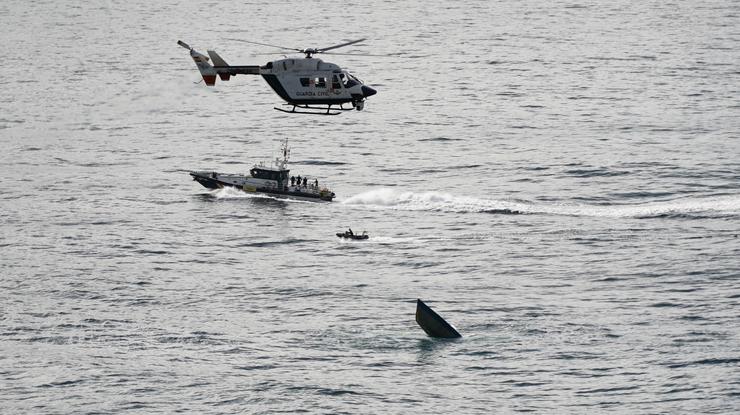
(312,183)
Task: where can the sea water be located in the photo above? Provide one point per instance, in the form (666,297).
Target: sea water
(559,180)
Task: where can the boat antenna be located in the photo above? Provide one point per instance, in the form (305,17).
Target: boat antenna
(286,153)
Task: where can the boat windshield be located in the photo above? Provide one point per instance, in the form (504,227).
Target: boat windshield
(258,173)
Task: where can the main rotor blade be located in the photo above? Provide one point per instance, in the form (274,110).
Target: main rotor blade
(352,42)
(364,54)
(183,44)
(264,44)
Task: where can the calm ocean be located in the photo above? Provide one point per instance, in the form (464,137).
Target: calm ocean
(559,180)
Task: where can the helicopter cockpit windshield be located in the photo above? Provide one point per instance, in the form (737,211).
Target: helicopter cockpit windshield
(348,80)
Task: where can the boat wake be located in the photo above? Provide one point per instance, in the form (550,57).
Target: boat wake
(385,198)
(234,193)
(228,193)
(381,240)
(431,201)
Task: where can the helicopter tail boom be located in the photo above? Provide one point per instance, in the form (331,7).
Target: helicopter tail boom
(219,67)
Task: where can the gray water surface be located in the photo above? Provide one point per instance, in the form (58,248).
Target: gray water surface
(560,180)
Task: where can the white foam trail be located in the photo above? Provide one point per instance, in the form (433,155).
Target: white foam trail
(387,240)
(392,240)
(711,206)
(228,193)
(430,201)
(234,193)
(386,198)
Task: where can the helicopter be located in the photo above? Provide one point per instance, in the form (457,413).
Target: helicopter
(307,83)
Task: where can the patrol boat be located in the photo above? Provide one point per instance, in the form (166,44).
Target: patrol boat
(274,180)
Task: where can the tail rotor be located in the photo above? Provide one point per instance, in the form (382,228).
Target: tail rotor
(207,71)
(183,44)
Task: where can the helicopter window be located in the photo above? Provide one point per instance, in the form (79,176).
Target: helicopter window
(351,81)
(320,82)
(335,82)
(305,82)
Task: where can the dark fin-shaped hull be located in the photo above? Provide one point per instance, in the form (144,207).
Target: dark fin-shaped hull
(432,323)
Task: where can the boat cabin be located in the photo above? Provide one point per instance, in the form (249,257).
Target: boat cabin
(270,174)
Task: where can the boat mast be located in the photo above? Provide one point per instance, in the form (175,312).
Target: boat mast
(282,164)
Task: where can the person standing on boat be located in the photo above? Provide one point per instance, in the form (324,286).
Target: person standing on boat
(316,183)
(292,180)
(298,182)
(305,182)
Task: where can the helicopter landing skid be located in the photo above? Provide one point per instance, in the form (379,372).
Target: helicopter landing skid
(314,110)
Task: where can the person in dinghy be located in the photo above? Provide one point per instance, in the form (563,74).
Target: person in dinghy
(348,234)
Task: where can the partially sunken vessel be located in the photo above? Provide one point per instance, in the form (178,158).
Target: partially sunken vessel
(432,323)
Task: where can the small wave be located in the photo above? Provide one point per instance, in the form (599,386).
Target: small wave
(62,383)
(440,139)
(319,163)
(665,304)
(711,361)
(594,172)
(388,198)
(268,244)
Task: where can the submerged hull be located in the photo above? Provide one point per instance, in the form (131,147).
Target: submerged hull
(213,180)
(432,323)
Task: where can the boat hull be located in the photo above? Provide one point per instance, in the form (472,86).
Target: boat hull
(355,237)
